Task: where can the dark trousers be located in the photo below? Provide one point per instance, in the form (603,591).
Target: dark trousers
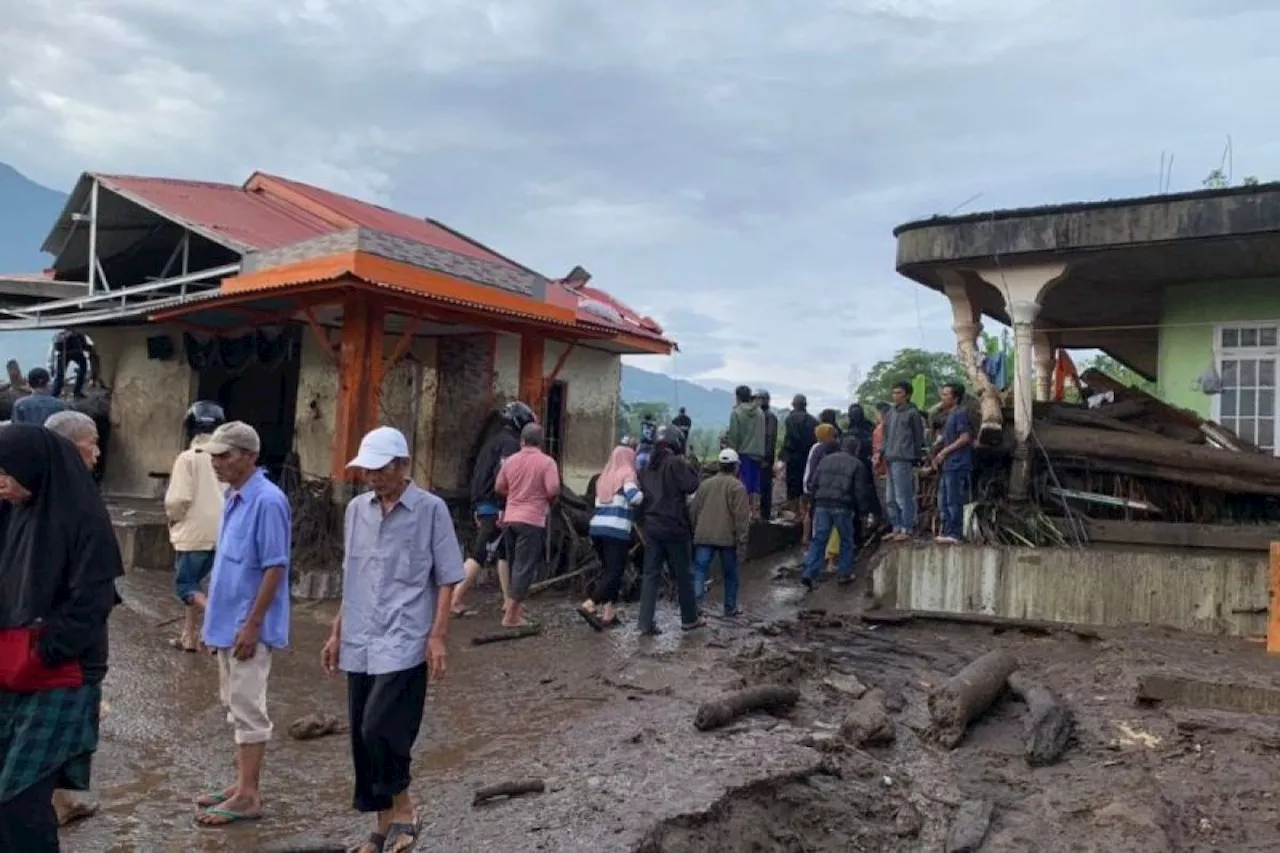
(953,494)
(675,554)
(385,713)
(766,489)
(28,822)
(60,372)
(613,556)
(526,554)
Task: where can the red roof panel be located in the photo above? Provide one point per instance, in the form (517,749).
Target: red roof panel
(223,209)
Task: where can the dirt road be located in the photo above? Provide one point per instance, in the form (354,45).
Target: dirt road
(606,721)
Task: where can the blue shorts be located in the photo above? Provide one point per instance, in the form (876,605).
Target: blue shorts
(190,570)
(749,474)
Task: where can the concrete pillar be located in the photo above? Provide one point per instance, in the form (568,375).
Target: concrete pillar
(967,325)
(1023,288)
(1043,346)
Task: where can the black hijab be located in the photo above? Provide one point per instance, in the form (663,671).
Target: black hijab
(58,553)
(861,429)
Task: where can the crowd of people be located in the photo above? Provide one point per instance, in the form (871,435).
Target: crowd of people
(405,575)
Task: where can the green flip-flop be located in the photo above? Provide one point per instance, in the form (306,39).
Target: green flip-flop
(228,817)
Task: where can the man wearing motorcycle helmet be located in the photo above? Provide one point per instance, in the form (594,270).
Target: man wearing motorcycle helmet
(667,482)
(193,503)
(487,504)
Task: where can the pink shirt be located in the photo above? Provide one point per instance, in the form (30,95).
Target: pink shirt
(530,481)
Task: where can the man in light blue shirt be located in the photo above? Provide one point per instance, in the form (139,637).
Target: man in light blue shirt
(247,615)
(401,561)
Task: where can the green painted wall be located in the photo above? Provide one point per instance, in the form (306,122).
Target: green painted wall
(1187,326)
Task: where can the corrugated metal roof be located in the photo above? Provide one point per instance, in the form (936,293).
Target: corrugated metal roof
(252,220)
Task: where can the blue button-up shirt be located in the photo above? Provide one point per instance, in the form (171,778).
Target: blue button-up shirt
(36,408)
(392,570)
(254,536)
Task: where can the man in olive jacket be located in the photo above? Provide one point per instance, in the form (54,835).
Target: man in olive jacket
(747,436)
(841,489)
(721,514)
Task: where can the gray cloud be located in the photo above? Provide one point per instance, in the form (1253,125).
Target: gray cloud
(734,173)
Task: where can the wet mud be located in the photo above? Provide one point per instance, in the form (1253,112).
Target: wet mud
(606,722)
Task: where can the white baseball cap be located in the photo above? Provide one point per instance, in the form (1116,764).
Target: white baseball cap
(379,448)
(728,456)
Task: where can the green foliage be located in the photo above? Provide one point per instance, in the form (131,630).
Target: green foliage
(1217,180)
(938,368)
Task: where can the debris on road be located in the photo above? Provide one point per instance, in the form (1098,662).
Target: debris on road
(726,709)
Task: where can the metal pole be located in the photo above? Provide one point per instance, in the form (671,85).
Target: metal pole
(93,235)
(186,252)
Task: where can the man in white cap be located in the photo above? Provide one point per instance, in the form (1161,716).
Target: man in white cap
(401,561)
(247,611)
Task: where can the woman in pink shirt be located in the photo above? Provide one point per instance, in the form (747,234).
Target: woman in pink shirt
(530,482)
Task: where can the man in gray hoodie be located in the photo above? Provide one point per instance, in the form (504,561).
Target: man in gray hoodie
(902,451)
(747,436)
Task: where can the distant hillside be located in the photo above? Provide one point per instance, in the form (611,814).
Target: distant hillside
(707,407)
(27,213)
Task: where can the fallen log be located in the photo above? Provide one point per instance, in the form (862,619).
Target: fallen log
(507,634)
(1091,418)
(508,790)
(726,709)
(868,723)
(969,829)
(1050,724)
(1156,450)
(1205,479)
(967,695)
(1038,627)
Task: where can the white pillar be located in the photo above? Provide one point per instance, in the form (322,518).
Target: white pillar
(1044,364)
(1023,288)
(966,322)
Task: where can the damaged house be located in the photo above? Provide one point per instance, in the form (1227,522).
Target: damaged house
(1162,505)
(316,317)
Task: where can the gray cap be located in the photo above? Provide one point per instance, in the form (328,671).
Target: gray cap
(235,435)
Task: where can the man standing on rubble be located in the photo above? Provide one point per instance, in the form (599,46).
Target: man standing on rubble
(400,563)
(487,504)
(530,482)
(954,462)
(798,438)
(746,435)
(685,423)
(903,448)
(770,454)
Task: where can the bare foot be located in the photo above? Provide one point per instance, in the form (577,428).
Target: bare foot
(70,809)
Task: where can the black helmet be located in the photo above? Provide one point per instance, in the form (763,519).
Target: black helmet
(517,415)
(204,416)
(670,435)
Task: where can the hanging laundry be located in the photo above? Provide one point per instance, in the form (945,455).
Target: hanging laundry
(994,364)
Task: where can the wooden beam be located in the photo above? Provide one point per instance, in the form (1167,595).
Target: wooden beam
(360,357)
(533,353)
(321,334)
(560,362)
(1220,537)
(411,326)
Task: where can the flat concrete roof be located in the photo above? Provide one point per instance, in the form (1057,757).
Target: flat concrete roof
(1120,255)
(18,290)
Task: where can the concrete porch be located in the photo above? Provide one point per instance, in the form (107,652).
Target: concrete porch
(1206,592)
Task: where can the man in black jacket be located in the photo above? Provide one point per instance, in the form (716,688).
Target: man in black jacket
(488,504)
(798,438)
(770,454)
(841,489)
(667,482)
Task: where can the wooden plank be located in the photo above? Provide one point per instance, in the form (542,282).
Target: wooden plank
(1042,627)
(1210,695)
(1273,606)
(1221,537)
(358,395)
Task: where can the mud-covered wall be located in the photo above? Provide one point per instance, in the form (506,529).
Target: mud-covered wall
(408,403)
(593,380)
(464,398)
(506,368)
(149,398)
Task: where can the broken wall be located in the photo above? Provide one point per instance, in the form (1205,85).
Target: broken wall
(593,382)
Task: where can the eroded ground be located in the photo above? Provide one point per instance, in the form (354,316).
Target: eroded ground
(606,721)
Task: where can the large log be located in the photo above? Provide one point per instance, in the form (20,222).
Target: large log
(1050,723)
(726,709)
(1101,444)
(1219,537)
(1179,423)
(967,695)
(1089,418)
(1205,479)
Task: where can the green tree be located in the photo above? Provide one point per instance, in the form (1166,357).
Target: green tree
(938,369)
(1117,371)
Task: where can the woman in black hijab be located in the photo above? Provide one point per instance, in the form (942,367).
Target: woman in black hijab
(58,564)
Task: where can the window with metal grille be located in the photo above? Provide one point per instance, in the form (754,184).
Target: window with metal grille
(1247,356)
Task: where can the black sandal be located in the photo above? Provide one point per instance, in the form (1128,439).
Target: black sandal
(403,835)
(591,619)
(694,625)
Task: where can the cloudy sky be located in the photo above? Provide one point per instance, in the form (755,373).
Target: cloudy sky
(733,168)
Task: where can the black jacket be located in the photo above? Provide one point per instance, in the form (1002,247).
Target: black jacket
(770,438)
(841,481)
(667,483)
(798,436)
(490,459)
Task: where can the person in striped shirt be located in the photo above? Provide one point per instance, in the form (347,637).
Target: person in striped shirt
(617,495)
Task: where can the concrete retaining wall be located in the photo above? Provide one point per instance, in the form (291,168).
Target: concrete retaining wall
(1195,592)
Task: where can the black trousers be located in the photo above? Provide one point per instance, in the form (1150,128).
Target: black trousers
(526,553)
(613,556)
(60,372)
(766,489)
(28,822)
(385,713)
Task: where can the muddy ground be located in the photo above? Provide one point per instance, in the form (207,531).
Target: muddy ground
(606,721)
